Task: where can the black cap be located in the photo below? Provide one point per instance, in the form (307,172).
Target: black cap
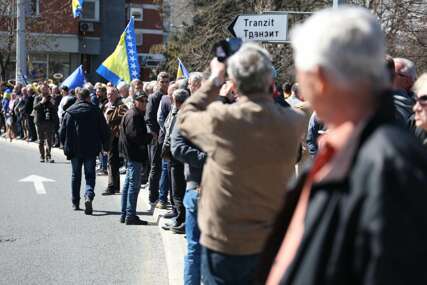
(140,95)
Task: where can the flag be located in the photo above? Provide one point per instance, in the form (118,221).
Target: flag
(182,71)
(76,79)
(122,64)
(77,6)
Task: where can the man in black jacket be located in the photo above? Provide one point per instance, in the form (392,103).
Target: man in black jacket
(357,216)
(133,143)
(45,118)
(84,133)
(154,128)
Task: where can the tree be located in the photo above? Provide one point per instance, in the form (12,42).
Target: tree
(404,22)
(35,22)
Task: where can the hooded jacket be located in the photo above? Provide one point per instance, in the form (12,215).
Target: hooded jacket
(84,131)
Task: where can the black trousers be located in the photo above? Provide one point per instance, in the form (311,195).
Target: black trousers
(155,149)
(178,189)
(146,166)
(113,167)
(32,128)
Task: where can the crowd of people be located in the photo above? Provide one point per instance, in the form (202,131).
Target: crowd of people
(221,148)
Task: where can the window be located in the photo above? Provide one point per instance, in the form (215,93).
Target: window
(139,38)
(137,13)
(90,10)
(33,8)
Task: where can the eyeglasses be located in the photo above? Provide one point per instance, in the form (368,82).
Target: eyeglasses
(422,100)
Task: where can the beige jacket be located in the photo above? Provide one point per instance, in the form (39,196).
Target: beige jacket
(252,148)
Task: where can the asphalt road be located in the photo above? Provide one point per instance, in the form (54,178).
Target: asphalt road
(43,241)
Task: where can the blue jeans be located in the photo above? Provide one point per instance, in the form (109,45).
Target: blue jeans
(164,182)
(192,260)
(76,178)
(103,158)
(219,268)
(131,189)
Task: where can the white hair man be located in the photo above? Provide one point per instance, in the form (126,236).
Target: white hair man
(252,146)
(350,218)
(405,74)
(195,81)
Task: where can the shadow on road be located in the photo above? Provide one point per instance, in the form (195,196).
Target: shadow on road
(99,213)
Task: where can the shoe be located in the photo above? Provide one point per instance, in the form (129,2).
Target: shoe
(50,160)
(76,207)
(168,226)
(180,230)
(122,170)
(169,215)
(161,205)
(108,192)
(42,159)
(88,207)
(135,221)
(122,219)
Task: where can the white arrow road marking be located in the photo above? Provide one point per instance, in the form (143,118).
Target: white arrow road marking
(38,182)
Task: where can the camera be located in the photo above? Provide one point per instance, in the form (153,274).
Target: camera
(226,48)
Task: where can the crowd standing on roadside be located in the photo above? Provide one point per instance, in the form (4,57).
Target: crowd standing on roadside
(219,149)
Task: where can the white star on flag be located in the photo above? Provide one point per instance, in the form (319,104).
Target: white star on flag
(132,58)
(130,44)
(131,52)
(134,73)
(133,66)
(129,37)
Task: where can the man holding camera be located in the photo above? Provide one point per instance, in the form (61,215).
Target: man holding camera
(45,117)
(252,147)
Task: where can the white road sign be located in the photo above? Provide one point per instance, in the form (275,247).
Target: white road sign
(262,28)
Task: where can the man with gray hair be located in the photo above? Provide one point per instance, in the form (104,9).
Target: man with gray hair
(360,209)
(252,147)
(195,81)
(405,75)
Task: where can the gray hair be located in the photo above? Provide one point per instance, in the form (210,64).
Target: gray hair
(408,67)
(162,75)
(180,95)
(251,69)
(420,83)
(181,84)
(88,86)
(122,84)
(196,77)
(347,43)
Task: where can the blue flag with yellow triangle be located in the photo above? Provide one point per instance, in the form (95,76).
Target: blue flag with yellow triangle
(77,6)
(122,64)
(182,71)
(76,79)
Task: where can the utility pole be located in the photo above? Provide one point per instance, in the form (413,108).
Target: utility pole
(21,49)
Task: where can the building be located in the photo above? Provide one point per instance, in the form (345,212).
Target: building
(58,43)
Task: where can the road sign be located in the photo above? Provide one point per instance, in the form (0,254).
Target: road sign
(38,182)
(261,27)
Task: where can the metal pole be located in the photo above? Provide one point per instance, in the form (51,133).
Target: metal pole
(335,4)
(21,49)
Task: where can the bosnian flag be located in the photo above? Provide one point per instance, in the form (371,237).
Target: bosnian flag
(77,6)
(122,64)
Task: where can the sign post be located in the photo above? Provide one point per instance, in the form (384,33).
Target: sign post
(271,28)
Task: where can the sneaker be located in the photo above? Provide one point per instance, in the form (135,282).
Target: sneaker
(168,226)
(135,221)
(76,207)
(50,160)
(41,159)
(169,215)
(161,205)
(180,229)
(122,170)
(108,192)
(88,207)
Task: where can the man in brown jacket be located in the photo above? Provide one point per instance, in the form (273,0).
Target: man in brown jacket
(252,147)
(114,112)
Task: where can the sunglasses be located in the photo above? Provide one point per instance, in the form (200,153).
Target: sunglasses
(422,100)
